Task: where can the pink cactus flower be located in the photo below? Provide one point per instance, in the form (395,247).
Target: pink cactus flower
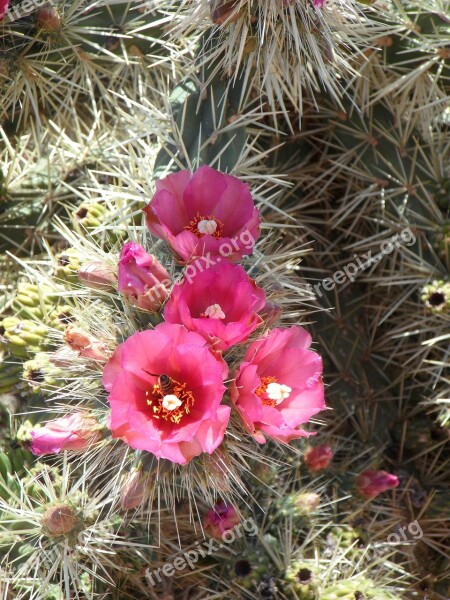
(177,416)
(221,518)
(279,385)
(142,278)
(76,431)
(3,8)
(206,213)
(319,3)
(318,458)
(221,303)
(371,483)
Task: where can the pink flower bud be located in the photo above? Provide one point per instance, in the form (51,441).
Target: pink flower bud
(142,278)
(85,344)
(371,483)
(318,458)
(98,276)
(222,517)
(133,491)
(59,519)
(75,431)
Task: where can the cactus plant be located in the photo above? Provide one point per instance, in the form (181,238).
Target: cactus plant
(336,115)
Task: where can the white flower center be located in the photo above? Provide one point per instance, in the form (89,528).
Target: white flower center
(214,312)
(278,392)
(171,402)
(207,226)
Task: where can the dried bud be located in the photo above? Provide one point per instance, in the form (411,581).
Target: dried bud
(63,357)
(133,491)
(98,276)
(224,12)
(59,519)
(371,483)
(85,344)
(318,458)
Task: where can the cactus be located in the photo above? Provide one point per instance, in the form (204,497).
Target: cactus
(336,114)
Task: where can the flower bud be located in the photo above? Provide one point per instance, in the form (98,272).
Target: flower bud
(306,503)
(142,278)
(48,19)
(59,519)
(76,431)
(98,276)
(371,483)
(133,491)
(318,458)
(85,344)
(221,518)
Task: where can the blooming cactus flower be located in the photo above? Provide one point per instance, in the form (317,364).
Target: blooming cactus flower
(221,303)
(3,8)
(207,213)
(318,458)
(371,483)
(165,388)
(142,278)
(76,431)
(278,387)
(221,518)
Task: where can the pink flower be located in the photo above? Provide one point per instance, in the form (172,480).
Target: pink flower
(204,214)
(165,388)
(371,483)
(319,3)
(3,8)
(142,278)
(221,303)
(75,431)
(318,458)
(279,385)
(221,518)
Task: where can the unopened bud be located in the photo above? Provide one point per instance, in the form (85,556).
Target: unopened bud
(59,519)
(98,276)
(371,483)
(48,19)
(133,491)
(318,458)
(305,504)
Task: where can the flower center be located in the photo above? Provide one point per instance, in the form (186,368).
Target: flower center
(203,225)
(214,312)
(170,407)
(271,392)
